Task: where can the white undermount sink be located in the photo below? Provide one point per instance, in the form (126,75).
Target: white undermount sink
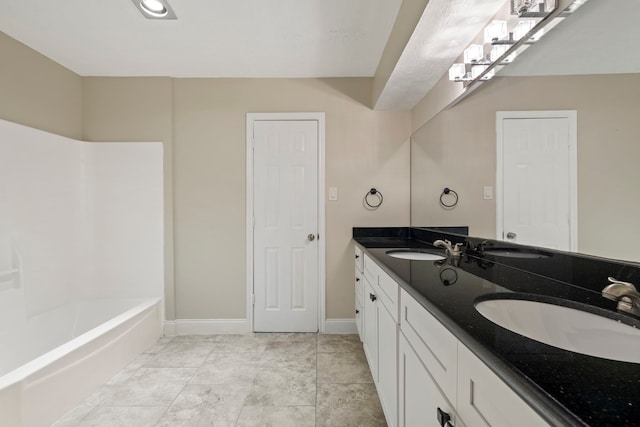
(415,255)
(566,328)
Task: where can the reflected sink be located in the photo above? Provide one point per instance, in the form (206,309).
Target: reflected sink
(414,254)
(516,253)
(566,328)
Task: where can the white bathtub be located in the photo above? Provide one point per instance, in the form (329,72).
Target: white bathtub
(54,360)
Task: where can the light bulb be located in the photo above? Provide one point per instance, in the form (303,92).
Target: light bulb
(473,53)
(522,28)
(496,30)
(457,71)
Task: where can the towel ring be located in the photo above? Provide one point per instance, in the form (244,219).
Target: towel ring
(448,276)
(376,204)
(447,191)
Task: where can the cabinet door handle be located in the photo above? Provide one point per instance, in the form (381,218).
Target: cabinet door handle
(357,279)
(357,256)
(372,297)
(357,311)
(443,418)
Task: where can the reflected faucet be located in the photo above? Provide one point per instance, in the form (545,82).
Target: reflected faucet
(449,249)
(626,294)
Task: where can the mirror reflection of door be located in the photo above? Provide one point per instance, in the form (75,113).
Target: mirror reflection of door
(536,201)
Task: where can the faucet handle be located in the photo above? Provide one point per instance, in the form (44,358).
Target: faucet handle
(615,281)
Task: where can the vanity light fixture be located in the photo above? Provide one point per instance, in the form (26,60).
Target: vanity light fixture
(496,30)
(505,39)
(523,27)
(155,9)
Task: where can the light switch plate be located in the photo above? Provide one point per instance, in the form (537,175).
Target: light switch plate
(333,193)
(488,193)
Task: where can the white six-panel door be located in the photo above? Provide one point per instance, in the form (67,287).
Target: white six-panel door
(285,199)
(537,180)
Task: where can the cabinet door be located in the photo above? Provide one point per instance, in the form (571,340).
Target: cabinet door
(485,400)
(370,342)
(419,396)
(388,365)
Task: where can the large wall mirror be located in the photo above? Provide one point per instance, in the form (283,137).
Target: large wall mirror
(588,64)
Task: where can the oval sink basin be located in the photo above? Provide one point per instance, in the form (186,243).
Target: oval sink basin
(566,328)
(414,255)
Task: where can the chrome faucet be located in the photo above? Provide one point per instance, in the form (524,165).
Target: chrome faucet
(625,293)
(449,249)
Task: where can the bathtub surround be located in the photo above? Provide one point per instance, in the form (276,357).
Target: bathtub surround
(79,223)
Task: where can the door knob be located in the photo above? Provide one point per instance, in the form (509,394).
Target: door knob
(511,235)
(311,237)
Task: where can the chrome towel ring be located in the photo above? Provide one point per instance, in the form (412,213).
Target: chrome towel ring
(376,202)
(451,204)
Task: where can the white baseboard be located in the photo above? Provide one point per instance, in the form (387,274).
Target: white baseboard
(241,326)
(206,327)
(340,326)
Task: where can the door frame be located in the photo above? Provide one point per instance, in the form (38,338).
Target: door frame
(572,116)
(251,119)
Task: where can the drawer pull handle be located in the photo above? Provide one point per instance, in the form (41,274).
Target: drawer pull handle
(357,279)
(372,297)
(443,418)
(357,256)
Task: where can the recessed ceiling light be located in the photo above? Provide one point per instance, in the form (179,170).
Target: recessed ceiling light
(155,9)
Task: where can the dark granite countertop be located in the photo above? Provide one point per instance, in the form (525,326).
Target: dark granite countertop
(566,388)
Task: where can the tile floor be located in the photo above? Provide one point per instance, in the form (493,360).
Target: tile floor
(281,380)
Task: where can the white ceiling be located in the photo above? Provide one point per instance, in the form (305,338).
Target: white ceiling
(210,38)
(308,38)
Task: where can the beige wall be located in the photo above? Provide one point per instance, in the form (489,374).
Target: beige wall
(202,125)
(364,148)
(456,148)
(37,92)
(136,109)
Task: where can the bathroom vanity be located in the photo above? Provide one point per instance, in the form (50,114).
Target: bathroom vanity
(436,359)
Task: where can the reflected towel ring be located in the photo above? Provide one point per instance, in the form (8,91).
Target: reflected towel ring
(448,276)
(376,204)
(445,192)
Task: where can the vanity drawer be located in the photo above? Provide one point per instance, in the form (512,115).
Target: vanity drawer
(389,294)
(435,345)
(370,271)
(359,259)
(358,285)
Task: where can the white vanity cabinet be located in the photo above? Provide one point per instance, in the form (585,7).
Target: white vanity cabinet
(380,342)
(423,374)
(359,285)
